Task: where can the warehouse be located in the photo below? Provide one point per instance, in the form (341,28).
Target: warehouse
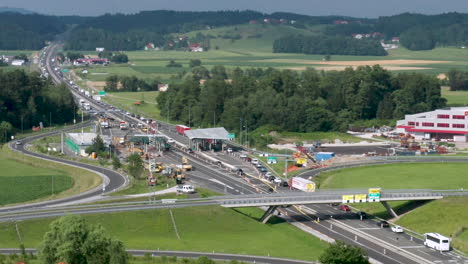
(448,124)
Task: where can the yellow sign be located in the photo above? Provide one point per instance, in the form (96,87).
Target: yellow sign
(301,161)
(348,198)
(360,198)
(374,190)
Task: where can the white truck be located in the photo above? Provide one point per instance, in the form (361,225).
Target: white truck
(302,184)
(185,189)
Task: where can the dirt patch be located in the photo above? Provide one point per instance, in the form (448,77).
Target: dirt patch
(358,63)
(442,76)
(97,86)
(342,68)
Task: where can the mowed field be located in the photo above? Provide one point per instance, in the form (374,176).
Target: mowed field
(455,98)
(26,179)
(20,182)
(204,229)
(445,216)
(127,100)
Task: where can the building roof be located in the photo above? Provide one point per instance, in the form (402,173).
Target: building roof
(219,133)
(85,139)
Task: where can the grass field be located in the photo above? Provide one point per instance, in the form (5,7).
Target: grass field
(324,137)
(28,179)
(141,186)
(446,216)
(205,229)
(455,98)
(21,182)
(126,101)
(398,176)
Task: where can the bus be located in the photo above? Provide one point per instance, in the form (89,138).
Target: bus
(437,241)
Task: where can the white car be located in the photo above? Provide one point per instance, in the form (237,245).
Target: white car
(170,140)
(277,180)
(229,150)
(397,229)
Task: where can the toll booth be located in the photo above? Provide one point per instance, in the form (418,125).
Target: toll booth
(207,139)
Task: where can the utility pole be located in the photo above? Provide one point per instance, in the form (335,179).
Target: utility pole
(50,124)
(21,124)
(240,130)
(214,118)
(189,113)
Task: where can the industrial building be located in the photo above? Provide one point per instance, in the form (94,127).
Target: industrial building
(448,124)
(78,142)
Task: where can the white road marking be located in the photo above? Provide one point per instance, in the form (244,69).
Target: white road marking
(413,247)
(219,182)
(369,228)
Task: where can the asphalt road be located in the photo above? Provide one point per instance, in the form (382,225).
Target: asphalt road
(188,254)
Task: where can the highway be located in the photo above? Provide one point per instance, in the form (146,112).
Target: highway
(381,245)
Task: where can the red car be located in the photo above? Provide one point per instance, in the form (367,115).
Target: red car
(345,208)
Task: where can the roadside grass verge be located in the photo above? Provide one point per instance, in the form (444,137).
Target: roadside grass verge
(80,180)
(324,137)
(138,186)
(205,229)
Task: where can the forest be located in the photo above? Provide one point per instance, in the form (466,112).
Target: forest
(338,45)
(21,32)
(27,99)
(298,101)
(458,80)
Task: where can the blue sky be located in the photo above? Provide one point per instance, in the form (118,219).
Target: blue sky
(357,8)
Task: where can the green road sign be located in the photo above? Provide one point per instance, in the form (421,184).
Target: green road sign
(65,70)
(272,160)
(102,92)
(374,195)
(231,135)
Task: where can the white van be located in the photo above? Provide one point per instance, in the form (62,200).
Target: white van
(186,189)
(254,161)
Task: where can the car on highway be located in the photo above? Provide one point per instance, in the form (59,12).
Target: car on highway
(271,178)
(254,161)
(268,174)
(277,181)
(362,214)
(285,184)
(263,170)
(18,142)
(397,229)
(170,140)
(345,208)
(383,224)
(229,150)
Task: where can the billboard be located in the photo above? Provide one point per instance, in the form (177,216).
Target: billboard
(348,198)
(360,198)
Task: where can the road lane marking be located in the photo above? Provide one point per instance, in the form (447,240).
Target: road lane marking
(219,182)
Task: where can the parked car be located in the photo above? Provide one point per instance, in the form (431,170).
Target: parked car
(397,229)
(345,208)
(383,224)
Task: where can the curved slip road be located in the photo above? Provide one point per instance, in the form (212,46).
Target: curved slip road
(112,180)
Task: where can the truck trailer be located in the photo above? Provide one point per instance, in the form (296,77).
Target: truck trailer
(302,184)
(181,129)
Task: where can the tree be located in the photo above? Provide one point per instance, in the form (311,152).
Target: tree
(74,55)
(340,253)
(112,83)
(116,163)
(135,165)
(5,130)
(119,58)
(72,240)
(97,146)
(195,63)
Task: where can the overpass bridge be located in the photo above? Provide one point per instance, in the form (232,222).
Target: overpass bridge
(272,200)
(276,200)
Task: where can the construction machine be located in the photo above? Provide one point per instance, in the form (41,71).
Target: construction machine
(185,165)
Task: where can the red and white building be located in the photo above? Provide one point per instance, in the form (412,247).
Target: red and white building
(448,123)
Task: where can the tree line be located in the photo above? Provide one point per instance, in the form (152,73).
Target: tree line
(458,80)
(115,83)
(328,45)
(27,31)
(300,102)
(26,99)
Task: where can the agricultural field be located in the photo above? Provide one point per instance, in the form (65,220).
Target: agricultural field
(199,229)
(447,215)
(455,98)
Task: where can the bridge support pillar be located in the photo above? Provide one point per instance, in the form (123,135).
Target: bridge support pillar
(389,209)
(269,212)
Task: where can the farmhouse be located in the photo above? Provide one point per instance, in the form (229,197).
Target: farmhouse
(195,47)
(449,124)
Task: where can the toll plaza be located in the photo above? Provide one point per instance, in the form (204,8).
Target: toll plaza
(207,138)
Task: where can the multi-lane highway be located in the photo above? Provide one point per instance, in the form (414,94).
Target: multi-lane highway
(380,244)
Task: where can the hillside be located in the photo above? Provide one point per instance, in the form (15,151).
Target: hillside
(251,37)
